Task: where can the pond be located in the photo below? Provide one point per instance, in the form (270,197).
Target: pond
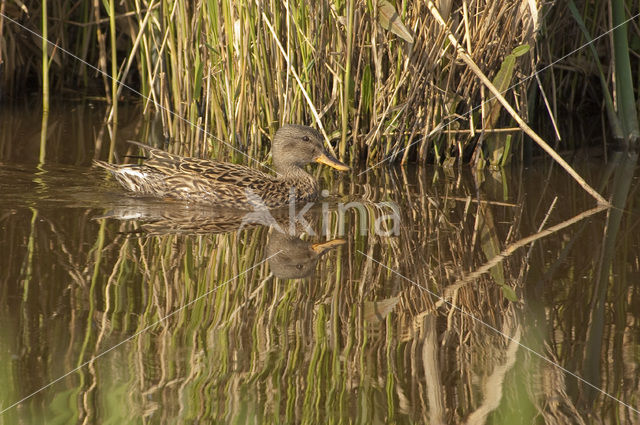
(405,295)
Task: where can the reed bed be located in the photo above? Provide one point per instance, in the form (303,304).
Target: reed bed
(595,82)
(378,77)
(355,342)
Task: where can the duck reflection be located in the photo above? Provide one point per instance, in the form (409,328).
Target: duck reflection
(288,255)
(293,258)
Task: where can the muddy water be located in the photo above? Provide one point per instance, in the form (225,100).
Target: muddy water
(408,295)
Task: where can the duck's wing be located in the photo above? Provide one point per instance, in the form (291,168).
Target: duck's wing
(163,160)
(223,172)
(247,192)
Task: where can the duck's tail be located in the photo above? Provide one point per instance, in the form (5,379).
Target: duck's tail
(133,177)
(107,166)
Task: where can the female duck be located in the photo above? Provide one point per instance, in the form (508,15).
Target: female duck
(229,185)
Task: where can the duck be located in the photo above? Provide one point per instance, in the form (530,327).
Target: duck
(223,184)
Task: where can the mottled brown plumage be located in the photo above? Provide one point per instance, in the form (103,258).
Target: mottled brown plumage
(229,185)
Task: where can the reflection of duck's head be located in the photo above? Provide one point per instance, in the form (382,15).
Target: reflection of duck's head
(289,256)
(293,258)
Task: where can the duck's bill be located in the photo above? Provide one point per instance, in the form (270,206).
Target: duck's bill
(331,162)
(320,248)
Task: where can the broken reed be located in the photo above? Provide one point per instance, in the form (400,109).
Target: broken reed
(378,76)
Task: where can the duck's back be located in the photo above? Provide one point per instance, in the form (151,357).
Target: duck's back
(204,181)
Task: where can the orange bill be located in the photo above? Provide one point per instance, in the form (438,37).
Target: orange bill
(319,248)
(331,162)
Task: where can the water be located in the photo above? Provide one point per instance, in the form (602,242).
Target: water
(423,303)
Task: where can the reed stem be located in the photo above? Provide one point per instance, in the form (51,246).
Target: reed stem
(45,83)
(624,81)
(114,77)
(523,125)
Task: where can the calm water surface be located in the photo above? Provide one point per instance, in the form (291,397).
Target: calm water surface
(414,295)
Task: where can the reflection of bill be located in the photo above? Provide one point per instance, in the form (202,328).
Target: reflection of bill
(293,258)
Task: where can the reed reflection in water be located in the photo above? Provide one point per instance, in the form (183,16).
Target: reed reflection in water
(238,337)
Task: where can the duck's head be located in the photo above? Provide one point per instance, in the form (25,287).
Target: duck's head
(295,146)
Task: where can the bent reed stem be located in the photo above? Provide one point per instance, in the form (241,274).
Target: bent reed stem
(523,125)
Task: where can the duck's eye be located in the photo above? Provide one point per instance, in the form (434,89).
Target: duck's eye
(300,266)
(305,138)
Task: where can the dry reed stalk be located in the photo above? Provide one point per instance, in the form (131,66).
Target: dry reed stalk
(552,153)
(378,88)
